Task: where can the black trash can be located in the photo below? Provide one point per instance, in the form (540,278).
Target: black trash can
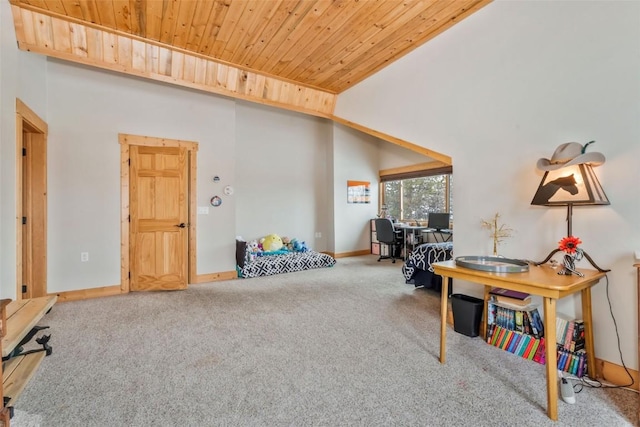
(467,314)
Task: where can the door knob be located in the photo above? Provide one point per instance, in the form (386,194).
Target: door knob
(181,225)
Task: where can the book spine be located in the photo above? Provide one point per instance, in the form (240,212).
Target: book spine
(569,335)
(532,350)
(497,336)
(577,342)
(561,328)
(526,323)
(509,293)
(507,338)
(567,360)
(561,357)
(582,364)
(519,321)
(491,337)
(491,318)
(532,324)
(526,342)
(537,321)
(521,343)
(514,342)
(512,301)
(573,368)
(539,357)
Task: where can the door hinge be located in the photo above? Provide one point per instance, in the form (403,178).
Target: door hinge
(129,275)
(24,220)
(129,218)
(24,151)
(24,289)
(129,162)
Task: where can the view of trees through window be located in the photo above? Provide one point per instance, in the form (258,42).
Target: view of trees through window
(414,198)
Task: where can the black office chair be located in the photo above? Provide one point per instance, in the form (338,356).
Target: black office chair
(387,234)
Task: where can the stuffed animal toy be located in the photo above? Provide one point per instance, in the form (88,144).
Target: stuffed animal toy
(271,243)
(299,246)
(287,243)
(252,250)
(252,246)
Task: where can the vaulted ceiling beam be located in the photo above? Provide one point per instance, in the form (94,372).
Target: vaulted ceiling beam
(86,44)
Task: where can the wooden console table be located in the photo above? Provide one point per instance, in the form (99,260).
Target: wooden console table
(543,281)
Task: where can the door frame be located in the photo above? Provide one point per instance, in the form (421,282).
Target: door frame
(126,140)
(31,202)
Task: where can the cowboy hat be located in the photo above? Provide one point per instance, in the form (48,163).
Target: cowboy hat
(570,153)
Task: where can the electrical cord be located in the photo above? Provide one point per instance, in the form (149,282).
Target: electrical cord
(594,383)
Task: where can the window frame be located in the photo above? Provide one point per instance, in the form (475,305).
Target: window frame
(396,175)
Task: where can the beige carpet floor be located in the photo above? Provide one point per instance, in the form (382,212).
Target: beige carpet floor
(351,345)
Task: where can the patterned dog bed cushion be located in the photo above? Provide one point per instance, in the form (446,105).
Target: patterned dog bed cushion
(286,263)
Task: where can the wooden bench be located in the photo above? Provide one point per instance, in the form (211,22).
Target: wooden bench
(17,321)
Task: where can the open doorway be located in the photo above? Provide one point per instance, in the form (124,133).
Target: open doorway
(31,196)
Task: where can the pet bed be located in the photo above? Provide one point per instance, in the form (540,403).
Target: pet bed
(267,264)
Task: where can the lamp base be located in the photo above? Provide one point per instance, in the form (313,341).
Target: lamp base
(568,267)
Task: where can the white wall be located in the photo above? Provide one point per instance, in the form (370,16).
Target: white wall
(393,156)
(88,108)
(505,87)
(283,174)
(355,159)
(280,162)
(21,76)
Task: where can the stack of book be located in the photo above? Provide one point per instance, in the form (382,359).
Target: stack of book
(527,320)
(515,325)
(518,343)
(513,310)
(573,362)
(572,356)
(569,333)
(508,296)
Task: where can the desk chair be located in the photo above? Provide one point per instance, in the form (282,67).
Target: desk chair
(391,237)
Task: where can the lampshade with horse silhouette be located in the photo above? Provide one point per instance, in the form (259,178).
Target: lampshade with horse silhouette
(575,185)
(569,180)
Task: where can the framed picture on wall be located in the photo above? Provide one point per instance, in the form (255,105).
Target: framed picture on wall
(358,192)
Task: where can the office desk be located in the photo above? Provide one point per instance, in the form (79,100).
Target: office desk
(409,236)
(543,281)
(448,233)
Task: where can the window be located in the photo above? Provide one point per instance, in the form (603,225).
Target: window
(413,198)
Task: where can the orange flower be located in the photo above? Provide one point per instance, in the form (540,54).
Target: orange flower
(569,244)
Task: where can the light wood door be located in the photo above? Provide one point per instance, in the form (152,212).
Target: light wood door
(159,218)
(31,192)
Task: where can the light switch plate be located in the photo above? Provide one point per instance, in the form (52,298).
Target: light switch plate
(638,254)
(203,210)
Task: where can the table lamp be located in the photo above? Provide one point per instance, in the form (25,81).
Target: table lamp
(569,180)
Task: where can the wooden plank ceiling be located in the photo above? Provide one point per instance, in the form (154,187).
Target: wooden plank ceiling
(296,54)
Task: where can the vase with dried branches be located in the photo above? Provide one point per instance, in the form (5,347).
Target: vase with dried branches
(498,232)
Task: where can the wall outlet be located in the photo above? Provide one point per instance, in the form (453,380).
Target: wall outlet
(318,235)
(84,256)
